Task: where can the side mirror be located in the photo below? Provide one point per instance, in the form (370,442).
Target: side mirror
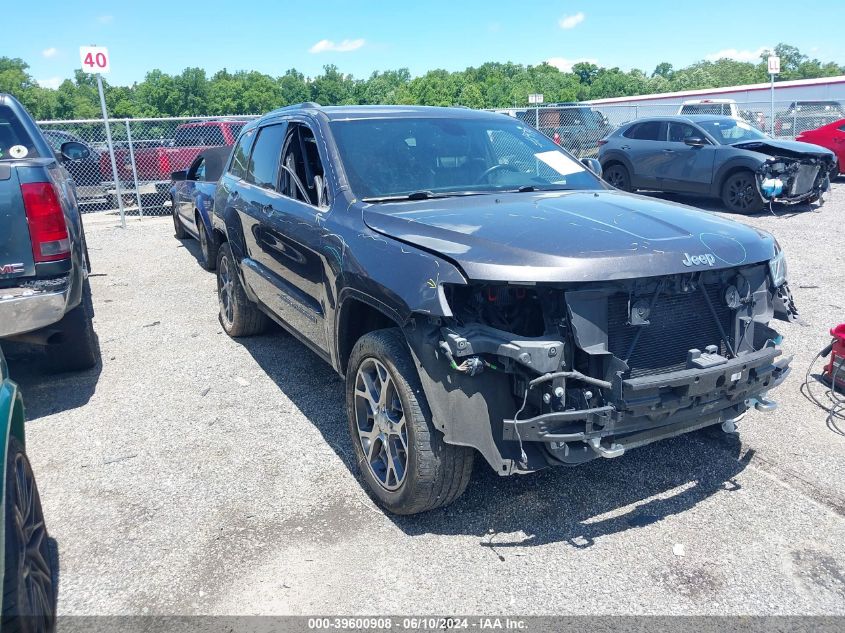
(593,165)
(74,150)
(694,141)
(179,175)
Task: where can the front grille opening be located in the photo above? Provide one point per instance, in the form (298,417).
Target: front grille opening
(677,324)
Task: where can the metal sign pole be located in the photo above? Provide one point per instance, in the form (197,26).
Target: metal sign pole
(134,170)
(772,111)
(111,151)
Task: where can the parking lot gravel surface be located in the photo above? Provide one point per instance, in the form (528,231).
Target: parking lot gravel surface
(194,473)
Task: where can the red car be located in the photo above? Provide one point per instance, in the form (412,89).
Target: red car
(831,136)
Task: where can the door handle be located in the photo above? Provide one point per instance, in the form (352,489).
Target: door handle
(267,208)
(669,151)
(625,147)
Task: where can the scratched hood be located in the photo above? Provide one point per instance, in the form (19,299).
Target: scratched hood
(569,236)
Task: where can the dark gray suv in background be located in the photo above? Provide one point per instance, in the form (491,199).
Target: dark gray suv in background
(716,156)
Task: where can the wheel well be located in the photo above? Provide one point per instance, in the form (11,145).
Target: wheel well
(357,319)
(731,172)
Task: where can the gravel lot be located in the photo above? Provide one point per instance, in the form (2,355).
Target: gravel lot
(197,474)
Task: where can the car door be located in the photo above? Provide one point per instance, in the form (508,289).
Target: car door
(644,143)
(685,167)
(294,235)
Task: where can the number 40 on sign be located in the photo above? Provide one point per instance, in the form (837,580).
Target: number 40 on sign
(95,59)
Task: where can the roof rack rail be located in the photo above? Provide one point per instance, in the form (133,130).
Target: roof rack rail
(295,106)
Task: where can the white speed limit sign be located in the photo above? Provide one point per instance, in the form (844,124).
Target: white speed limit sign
(95,59)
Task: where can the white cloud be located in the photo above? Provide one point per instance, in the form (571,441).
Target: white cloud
(571,21)
(52,82)
(344,46)
(49,52)
(565,65)
(105,19)
(740,56)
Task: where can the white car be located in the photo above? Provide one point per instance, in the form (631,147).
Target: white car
(723,107)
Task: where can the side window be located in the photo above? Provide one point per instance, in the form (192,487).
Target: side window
(264,161)
(240,157)
(198,171)
(303,177)
(647,131)
(679,132)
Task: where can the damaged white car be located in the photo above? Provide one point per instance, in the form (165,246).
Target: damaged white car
(716,156)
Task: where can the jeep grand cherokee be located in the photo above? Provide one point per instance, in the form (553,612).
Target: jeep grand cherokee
(483,292)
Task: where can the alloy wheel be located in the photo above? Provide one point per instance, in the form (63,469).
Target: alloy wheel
(616,178)
(226,290)
(34,570)
(741,193)
(380,421)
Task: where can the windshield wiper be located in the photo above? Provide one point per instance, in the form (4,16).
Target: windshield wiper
(423,195)
(530,188)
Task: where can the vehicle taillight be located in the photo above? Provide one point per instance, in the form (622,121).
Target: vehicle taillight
(556,138)
(47,227)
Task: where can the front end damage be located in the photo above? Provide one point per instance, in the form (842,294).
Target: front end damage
(551,374)
(792,177)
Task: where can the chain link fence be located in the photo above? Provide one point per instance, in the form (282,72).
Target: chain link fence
(147,151)
(579,126)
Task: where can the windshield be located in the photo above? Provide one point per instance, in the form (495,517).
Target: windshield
(729,131)
(396,157)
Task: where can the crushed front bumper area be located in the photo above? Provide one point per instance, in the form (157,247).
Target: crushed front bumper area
(654,407)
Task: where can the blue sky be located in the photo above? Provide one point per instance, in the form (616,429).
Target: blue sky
(360,37)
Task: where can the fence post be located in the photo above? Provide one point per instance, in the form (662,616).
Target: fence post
(537,117)
(134,170)
(118,192)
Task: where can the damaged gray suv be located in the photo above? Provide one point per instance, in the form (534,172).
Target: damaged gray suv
(483,292)
(716,156)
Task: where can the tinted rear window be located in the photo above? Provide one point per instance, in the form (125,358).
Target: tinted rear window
(264,162)
(14,141)
(240,156)
(646,131)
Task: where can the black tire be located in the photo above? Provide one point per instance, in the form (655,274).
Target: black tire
(77,347)
(740,194)
(178,230)
(238,315)
(434,473)
(208,246)
(29,579)
(617,175)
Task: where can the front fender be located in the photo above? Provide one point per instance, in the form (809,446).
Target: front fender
(402,277)
(751,162)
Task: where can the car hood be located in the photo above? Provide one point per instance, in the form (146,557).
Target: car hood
(781,147)
(573,236)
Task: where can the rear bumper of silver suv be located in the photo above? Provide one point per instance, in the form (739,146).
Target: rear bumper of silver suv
(33,306)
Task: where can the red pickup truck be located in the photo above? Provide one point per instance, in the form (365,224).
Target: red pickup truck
(155,164)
